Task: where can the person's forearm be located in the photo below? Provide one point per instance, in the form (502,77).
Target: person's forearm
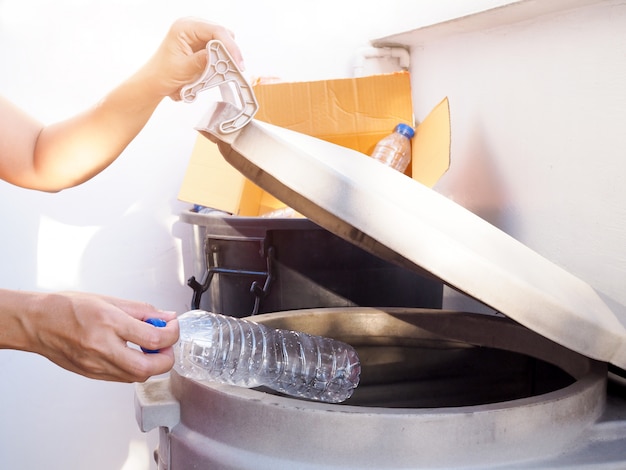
(58,156)
(73,151)
(15,309)
(88,334)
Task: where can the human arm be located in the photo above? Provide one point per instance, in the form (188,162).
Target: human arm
(88,334)
(65,154)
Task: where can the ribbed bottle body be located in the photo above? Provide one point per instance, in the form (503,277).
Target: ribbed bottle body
(394,150)
(313,367)
(239,352)
(220,348)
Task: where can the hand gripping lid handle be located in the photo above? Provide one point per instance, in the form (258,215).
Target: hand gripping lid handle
(222,71)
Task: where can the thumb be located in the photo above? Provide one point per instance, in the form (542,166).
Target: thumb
(195,64)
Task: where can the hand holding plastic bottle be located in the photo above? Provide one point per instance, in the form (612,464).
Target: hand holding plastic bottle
(241,352)
(89,334)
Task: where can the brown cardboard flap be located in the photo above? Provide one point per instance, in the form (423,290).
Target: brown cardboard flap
(430,149)
(351,112)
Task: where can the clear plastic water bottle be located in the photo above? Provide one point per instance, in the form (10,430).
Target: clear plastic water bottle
(394,150)
(236,351)
(283,213)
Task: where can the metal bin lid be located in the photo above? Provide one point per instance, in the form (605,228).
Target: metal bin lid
(401,220)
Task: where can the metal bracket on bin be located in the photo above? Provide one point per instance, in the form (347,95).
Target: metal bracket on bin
(259,291)
(222,71)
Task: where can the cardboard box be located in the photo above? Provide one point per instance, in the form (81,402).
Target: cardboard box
(352,112)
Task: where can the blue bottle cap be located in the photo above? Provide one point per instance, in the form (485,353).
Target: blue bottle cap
(156,322)
(405,130)
(159,324)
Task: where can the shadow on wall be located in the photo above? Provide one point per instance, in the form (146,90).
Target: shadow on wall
(473,181)
(137,255)
(133,257)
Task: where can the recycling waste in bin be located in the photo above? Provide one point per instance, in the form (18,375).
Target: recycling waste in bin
(526,388)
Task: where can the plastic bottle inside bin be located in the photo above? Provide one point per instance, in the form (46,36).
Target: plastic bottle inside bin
(394,150)
(283,213)
(236,351)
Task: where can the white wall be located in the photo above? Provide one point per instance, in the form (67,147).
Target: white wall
(538,116)
(118,234)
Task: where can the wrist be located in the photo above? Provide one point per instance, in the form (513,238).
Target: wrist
(18,312)
(150,83)
(136,96)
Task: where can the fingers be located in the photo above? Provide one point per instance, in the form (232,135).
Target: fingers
(182,56)
(228,39)
(134,328)
(150,337)
(139,310)
(90,334)
(103,351)
(135,366)
(124,363)
(127,318)
(198,32)
(199,60)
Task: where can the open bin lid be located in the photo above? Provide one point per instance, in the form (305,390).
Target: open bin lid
(401,220)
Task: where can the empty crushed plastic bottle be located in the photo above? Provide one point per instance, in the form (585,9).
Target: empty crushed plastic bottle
(236,351)
(283,213)
(394,150)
